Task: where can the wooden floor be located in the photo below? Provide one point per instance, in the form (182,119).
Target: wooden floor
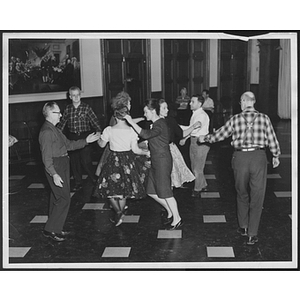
(207,240)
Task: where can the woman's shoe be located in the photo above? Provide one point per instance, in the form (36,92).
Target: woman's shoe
(167,221)
(173,227)
(119,219)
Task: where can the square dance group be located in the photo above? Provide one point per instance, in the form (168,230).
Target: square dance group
(137,162)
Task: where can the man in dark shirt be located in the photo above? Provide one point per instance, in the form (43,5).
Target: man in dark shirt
(251,133)
(54,146)
(80,119)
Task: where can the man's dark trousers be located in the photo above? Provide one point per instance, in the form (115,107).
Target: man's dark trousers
(60,196)
(250,174)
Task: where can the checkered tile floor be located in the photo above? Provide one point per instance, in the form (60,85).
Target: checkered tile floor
(208,233)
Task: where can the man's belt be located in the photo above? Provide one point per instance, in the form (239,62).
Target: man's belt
(249,149)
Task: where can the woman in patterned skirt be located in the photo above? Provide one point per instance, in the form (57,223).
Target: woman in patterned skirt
(122,99)
(121,176)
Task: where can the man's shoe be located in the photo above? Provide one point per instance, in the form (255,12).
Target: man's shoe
(242,231)
(77,187)
(252,240)
(54,236)
(196,194)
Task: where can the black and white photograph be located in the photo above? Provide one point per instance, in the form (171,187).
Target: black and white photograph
(149,150)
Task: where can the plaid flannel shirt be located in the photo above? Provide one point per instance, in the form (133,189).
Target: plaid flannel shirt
(79,119)
(261,134)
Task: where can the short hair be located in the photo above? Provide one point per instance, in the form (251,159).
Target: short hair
(206,91)
(74,88)
(161,101)
(122,99)
(47,107)
(121,112)
(248,96)
(199,98)
(153,104)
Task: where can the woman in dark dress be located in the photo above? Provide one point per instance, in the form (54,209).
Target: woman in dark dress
(180,172)
(159,180)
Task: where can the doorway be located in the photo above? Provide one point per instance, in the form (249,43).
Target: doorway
(185,64)
(126,68)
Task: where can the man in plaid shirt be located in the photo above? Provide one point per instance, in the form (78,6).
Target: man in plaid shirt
(252,132)
(80,119)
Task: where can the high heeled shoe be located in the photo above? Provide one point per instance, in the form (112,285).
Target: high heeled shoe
(167,221)
(174,227)
(119,219)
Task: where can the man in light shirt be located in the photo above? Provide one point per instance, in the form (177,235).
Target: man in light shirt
(198,152)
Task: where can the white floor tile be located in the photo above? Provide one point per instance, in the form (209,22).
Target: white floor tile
(131,219)
(116,252)
(39,219)
(16,177)
(283,194)
(273,176)
(214,219)
(169,234)
(18,251)
(94,206)
(209,176)
(220,252)
(36,186)
(210,195)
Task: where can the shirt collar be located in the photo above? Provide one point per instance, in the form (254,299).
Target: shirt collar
(249,108)
(77,106)
(198,110)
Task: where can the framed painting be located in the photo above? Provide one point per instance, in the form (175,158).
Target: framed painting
(43,65)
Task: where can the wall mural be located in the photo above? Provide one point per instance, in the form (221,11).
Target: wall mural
(43,66)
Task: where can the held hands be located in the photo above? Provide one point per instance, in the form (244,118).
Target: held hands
(57,180)
(93,137)
(275,162)
(182,142)
(200,139)
(147,152)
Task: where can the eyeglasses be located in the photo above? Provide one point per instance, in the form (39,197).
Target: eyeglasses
(56,112)
(240,102)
